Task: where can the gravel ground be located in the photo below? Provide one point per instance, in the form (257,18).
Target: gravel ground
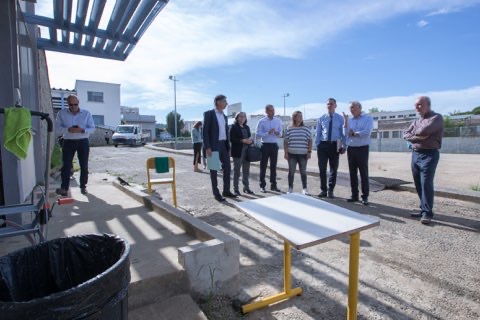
(407,270)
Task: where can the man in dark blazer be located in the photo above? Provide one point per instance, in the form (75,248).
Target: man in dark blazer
(215,138)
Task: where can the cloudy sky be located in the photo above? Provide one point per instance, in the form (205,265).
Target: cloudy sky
(382,53)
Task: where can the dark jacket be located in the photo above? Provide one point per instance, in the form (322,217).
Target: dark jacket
(210,130)
(236,139)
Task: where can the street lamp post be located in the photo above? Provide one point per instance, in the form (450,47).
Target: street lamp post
(284,109)
(174,79)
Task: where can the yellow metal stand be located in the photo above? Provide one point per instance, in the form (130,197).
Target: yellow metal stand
(353,278)
(288,291)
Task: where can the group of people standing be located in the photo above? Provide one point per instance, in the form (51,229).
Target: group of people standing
(335,133)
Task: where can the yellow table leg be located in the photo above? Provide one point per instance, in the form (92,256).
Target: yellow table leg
(353,278)
(287,285)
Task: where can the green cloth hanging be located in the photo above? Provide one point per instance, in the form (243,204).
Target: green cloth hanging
(161,164)
(16,131)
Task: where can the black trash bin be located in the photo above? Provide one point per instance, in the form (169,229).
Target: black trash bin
(81,277)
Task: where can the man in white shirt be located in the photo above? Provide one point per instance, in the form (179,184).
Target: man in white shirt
(75,125)
(269,129)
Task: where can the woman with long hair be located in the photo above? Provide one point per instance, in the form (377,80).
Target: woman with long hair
(298,149)
(197,145)
(241,138)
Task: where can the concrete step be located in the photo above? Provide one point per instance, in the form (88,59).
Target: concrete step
(178,307)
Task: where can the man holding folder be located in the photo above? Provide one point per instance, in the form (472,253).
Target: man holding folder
(215,142)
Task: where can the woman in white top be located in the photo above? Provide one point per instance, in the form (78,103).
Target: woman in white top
(298,149)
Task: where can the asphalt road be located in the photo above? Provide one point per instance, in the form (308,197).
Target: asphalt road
(407,270)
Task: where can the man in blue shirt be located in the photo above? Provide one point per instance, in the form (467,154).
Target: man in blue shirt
(329,142)
(357,132)
(269,129)
(75,125)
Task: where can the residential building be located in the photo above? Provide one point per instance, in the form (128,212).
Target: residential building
(102,99)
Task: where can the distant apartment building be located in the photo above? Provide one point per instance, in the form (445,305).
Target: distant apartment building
(391,124)
(131,115)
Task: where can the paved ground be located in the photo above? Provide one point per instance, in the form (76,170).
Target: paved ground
(407,270)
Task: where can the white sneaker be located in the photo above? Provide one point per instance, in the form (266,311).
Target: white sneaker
(290,190)
(305,192)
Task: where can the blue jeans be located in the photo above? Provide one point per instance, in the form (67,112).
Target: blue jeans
(424,164)
(293,159)
(82,148)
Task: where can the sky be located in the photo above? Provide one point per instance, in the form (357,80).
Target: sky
(381,53)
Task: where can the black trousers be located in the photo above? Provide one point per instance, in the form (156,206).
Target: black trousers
(225,160)
(269,151)
(82,148)
(327,154)
(197,148)
(358,161)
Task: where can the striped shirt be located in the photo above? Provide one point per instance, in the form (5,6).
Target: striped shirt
(362,127)
(298,139)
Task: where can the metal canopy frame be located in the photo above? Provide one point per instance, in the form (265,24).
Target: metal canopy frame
(128,22)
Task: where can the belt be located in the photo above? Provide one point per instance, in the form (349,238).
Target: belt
(329,142)
(269,143)
(423,150)
(359,146)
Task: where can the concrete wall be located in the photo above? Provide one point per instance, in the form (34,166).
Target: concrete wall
(211,266)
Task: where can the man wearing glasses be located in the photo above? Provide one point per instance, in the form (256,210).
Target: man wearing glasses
(75,125)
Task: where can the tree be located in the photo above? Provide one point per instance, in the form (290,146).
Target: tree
(372,110)
(171,123)
(476,110)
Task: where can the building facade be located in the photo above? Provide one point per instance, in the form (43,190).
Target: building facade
(131,115)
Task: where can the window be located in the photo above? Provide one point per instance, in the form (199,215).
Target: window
(98,120)
(395,134)
(375,118)
(374,135)
(95,96)
(384,117)
(400,115)
(412,115)
(391,117)
(386,134)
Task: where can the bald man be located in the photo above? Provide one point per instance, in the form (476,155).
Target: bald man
(425,135)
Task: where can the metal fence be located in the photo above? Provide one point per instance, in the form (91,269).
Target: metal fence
(470,131)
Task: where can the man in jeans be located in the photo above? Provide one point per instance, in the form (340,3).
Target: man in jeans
(269,129)
(329,134)
(425,135)
(75,125)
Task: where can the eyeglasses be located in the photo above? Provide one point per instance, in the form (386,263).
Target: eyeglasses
(73,104)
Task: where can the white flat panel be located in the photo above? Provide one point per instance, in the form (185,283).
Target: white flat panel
(305,221)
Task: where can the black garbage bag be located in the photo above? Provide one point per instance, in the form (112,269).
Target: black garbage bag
(80,277)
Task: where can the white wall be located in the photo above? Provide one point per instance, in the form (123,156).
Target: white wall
(109,108)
